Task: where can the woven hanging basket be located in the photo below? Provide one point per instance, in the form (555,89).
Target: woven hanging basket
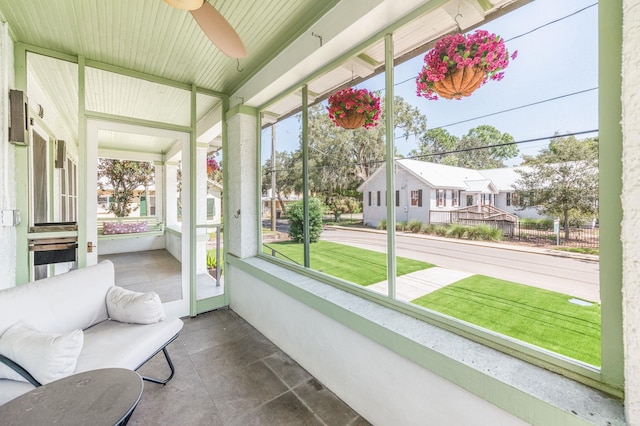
(459,83)
(352,119)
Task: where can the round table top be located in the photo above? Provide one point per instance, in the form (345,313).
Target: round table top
(97,397)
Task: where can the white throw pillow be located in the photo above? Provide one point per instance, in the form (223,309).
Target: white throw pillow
(134,307)
(46,356)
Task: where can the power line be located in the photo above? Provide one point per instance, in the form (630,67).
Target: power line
(553,22)
(502,144)
(516,108)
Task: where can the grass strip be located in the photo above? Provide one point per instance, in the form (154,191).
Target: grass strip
(360,266)
(540,317)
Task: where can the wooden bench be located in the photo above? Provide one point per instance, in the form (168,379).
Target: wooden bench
(155,227)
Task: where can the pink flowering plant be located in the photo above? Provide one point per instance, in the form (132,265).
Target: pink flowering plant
(360,100)
(212,165)
(480,49)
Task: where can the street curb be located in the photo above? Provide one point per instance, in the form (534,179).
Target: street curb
(548,252)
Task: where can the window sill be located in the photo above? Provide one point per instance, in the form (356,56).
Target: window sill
(529,392)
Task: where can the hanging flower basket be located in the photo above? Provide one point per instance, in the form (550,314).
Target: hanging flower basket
(354,108)
(459,64)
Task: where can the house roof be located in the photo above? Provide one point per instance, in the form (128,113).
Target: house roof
(441,176)
(503,178)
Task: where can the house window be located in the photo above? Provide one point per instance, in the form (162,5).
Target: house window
(455,196)
(369,198)
(439,197)
(416,198)
(378,203)
(469,200)
(508,198)
(397,198)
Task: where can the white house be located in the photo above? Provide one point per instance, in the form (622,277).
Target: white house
(427,192)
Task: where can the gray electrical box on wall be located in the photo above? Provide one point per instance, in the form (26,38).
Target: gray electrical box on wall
(19,121)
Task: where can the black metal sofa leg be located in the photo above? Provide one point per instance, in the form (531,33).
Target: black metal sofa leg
(173,370)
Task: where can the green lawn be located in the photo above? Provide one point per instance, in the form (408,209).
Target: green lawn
(360,266)
(543,318)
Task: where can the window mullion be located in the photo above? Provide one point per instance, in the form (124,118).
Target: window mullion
(390,145)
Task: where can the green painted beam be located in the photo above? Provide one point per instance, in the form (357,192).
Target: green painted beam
(390,166)
(610,115)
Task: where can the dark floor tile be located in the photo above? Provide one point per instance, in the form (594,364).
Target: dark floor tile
(287,410)
(239,390)
(232,355)
(287,369)
(325,404)
(209,337)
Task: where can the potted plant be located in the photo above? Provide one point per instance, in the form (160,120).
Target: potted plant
(353,108)
(212,265)
(459,64)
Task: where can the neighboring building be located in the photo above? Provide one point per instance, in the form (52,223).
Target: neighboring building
(428,192)
(214,201)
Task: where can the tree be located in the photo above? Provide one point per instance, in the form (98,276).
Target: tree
(288,170)
(339,159)
(478,149)
(124,177)
(562,180)
(295,213)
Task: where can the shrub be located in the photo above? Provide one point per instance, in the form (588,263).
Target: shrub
(382,224)
(440,230)
(457,231)
(414,226)
(295,212)
(401,226)
(428,228)
(539,224)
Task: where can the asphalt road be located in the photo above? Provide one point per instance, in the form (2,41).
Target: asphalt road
(576,277)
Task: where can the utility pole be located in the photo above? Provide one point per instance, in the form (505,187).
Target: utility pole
(273,177)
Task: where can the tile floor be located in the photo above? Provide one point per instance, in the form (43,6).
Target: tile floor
(227,373)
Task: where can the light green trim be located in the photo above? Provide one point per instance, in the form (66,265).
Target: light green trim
(209,92)
(136,74)
(22,171)
(210,304)
(485,4)
(193,207)
(390,166)
(368,59)
(225,194)
(355,51)
(258,192)
(48,52)
(242,109)
(51,177)
(137,121)
(610,115)
(305,176)
(498,392)
(83,167)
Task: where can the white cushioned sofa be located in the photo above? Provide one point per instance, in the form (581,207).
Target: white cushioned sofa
(76,322)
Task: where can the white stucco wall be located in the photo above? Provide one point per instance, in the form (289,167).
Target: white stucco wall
(631,206)
(7,162)
(241,184)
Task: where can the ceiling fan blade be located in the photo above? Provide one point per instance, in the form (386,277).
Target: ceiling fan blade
(219,31)
(185,4)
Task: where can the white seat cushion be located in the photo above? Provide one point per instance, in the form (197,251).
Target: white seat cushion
(10,389)
(115,344)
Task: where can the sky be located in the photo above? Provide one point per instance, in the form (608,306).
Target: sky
(555,61)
